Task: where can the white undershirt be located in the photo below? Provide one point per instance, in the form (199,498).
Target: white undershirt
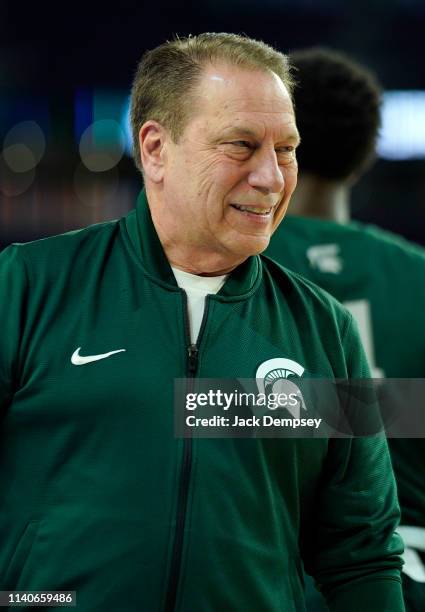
(197,288)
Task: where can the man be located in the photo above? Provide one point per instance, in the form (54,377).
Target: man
(98,496)
(371,271)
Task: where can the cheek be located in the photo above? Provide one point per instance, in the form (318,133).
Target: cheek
(219,177)
(201,172)
(290,175)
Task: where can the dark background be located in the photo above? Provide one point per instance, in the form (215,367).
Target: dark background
(48,52)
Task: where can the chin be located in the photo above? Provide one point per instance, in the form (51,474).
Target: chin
(254,247)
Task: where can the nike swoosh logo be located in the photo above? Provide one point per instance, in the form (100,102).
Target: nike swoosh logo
(78,359)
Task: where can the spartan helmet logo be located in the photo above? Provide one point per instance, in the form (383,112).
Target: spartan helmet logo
(273,376)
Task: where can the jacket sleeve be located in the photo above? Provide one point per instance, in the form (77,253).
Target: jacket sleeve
(13,283)
(356,560)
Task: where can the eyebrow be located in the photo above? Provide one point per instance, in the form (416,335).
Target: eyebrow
(235,132)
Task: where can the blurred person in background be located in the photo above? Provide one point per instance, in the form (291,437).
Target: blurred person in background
(98,495)
(378,276)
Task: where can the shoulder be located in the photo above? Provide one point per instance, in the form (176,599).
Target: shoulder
(366,249)
(58,252)
(390,243)
(68,241)
(365,235)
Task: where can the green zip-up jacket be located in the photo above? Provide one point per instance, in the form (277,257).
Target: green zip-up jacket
(97,494)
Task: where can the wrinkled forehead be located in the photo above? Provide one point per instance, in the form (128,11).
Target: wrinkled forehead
(224,72)
(237,96)
(237,84)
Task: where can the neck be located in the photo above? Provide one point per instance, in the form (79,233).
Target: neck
(321,198)
(208,268)
(185,256)
(188,259)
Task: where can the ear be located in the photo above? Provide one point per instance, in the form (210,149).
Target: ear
(152,138)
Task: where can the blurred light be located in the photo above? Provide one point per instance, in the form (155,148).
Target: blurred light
(93,189)
(126,127)
(13,183)
(102,145)
(83,114)
(24,146)
(402,134)
(19,158)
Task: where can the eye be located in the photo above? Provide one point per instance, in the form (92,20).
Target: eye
(243,144)
(285,154)
(288,149)
(239,149)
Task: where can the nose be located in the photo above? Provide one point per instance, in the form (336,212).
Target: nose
(266,174)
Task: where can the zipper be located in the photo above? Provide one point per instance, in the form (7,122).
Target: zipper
(186,469)
(192,351)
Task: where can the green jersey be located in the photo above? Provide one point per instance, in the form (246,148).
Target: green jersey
(380,278)
(99,496)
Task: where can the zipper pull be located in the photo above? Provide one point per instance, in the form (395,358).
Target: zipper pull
(192,351)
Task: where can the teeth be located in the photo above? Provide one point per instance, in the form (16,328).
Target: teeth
(253,209)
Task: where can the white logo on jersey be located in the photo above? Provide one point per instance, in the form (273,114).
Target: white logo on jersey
(325,258)
(272,377)
(78,359)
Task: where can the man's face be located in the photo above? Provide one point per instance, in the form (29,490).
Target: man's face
(228,180)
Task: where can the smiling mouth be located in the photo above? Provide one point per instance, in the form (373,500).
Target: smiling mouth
(255,210)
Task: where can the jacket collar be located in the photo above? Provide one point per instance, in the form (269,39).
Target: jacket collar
(241,283)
